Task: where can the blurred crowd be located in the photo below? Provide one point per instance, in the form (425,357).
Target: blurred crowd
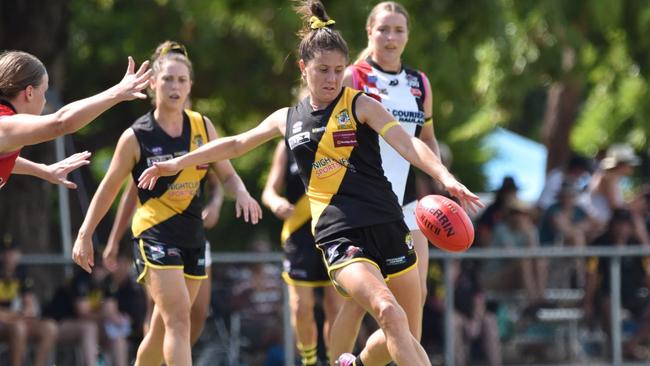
(97,318)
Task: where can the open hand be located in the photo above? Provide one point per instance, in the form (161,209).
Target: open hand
(57,173)
(247,205)
(83,254)
(149,177)
(468,200)
(133,82)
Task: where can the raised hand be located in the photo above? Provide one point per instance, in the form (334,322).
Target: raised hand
(149,177)
(57,173)
(133,82)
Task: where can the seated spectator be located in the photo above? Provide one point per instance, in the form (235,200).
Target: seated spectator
(577,173)
(472,321)
(19,320)
(605,192)
(635,272)
(516,231)
(89,316)
(129,295)
(495,212)
(564,222)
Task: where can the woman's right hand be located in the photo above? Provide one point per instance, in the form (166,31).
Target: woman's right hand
(83,253)
(133,82)
(468,200)
(149,177)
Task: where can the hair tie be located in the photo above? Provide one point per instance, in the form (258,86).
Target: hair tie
(316,23)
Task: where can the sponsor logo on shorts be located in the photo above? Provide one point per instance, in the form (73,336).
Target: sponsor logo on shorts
(408,240)
(173,252)
(299,139)
(201,262)
(353,252)
(156,252)
(396,261)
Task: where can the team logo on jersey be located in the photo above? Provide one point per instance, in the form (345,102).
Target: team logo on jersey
(412,81)
(198,140)
(343,118)
(394,82)
(158,159)
(297,140)
(297,127)
(372,79)
(156,150)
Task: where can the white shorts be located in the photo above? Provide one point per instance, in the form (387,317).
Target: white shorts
(208,254)
(409,216)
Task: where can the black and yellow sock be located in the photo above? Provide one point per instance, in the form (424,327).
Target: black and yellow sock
(308,354)
(357,361)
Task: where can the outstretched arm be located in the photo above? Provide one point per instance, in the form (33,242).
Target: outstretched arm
(56,173)
(244,204)
(124,159)
(412,149)
(271,196)
(219,149)
(25,129)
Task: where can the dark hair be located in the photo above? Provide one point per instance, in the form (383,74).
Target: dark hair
(317,39)
(18,70)
(389,6)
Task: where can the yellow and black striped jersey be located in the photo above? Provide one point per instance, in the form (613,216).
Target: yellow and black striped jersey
(171,212)
(340,164)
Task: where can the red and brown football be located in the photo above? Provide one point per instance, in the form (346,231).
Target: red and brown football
(444,223)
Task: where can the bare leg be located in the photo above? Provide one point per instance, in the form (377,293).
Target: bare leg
(364,283)
(332,302)
(46,332)
(200,308)
(84,332)
(173,296)
(345,329)
(491,342)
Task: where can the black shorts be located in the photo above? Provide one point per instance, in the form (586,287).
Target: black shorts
(158,255)
(303,263)
(387,246)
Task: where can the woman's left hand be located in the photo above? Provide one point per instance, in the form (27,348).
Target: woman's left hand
(249,207)
(57,173)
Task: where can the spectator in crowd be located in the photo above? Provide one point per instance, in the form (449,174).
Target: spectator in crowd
(495,212)
(577,173)
(640,209)
(89,316)
(19,318)
(634,289)
(258,298)
(129,296)
(517,230)
(472,320)
(564,222)
(605,192)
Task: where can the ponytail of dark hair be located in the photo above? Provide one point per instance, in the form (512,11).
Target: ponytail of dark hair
(318,34)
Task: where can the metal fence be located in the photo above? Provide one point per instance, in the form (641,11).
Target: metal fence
(615,253)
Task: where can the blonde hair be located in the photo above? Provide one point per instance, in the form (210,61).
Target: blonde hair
(389,6)
(18,70)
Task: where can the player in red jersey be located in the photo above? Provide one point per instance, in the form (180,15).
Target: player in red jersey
(23,83)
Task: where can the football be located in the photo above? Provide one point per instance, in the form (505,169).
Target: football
(444,223)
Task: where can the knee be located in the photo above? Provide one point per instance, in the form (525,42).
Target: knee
(49,330)
(390,315)
(18,330)
(177,318)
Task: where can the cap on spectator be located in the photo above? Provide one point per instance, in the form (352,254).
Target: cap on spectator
(508,184)
(618,154)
